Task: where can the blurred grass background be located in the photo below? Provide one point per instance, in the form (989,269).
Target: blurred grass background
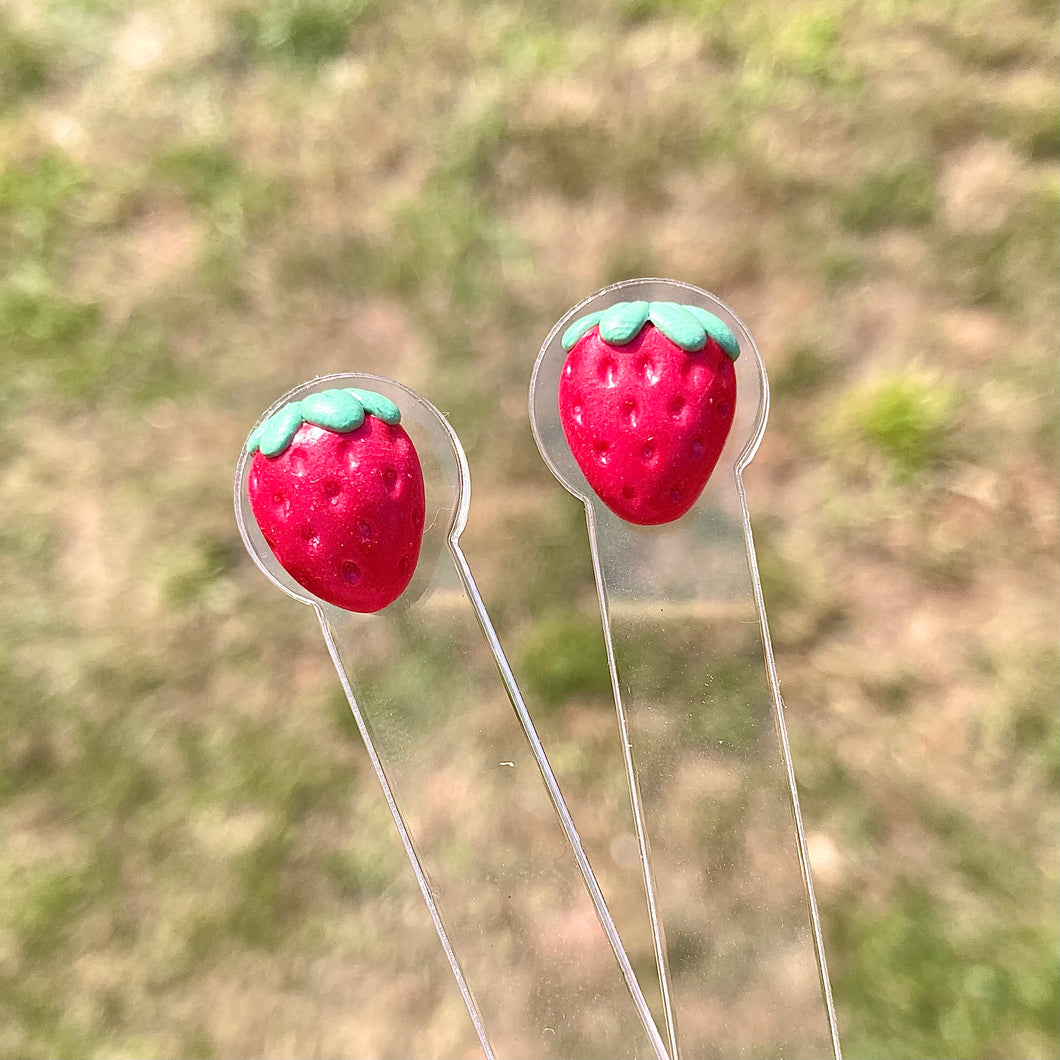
(206,202)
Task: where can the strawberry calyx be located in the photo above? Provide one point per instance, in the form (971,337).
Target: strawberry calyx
(341,410)
(686,326)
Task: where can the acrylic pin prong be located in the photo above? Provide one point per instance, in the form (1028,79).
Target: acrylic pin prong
(329,467)
(648,400)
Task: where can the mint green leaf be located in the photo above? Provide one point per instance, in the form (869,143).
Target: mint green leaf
(280,428)
(622,323)
(678,325)
(580,327)
(380,407)
(337,410)
(717,329)
(254,439)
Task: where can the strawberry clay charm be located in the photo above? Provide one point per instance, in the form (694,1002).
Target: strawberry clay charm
(646,401)
(337,491)
(634,408)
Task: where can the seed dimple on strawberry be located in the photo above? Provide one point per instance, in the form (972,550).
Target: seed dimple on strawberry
(646,400)
(336,487)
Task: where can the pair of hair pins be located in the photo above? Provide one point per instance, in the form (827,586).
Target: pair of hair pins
(647,401)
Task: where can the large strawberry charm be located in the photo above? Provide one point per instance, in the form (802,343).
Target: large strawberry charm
(337,491)
(646,399)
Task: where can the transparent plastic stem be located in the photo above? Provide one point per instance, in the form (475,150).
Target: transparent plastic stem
(658,935)
(727,882)
(560,806)
(406,841)
(529,940)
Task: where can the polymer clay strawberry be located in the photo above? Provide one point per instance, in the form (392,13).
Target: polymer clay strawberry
(337,490)
(646,400)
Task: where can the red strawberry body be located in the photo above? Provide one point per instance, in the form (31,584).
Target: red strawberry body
(343,511)
(646,420)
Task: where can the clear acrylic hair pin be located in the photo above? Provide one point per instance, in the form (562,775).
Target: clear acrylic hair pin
(476,805)
(635,393)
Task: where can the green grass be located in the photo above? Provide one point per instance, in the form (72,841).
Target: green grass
(25,67)
(907,419)
(807,371)
(900,196)
(301,33)
(1020,723)
(202,205)
(70,352)
(211,178)
(38,196)
(191,574)
(948,989)
(563,658)
(960,961)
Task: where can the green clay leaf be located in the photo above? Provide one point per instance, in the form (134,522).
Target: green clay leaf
(337,410)
(580,327)
(678,325)
(717,329)
(254,439)
(280,428)
(686,326)
(380,407)
(622,323)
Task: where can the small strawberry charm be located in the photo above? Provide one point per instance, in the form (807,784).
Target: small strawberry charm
(337,491)
(646,400)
